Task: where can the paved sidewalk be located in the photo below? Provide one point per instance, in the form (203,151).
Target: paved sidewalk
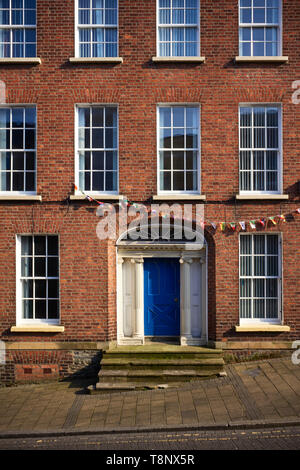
(263,391)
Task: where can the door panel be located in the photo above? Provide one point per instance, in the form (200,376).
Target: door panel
(162,297)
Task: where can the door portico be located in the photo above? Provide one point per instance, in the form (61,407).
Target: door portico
(192,263)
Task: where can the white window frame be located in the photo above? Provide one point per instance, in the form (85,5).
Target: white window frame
(92,26)
(10,27)
(261,25)
(19,318)
(262,321)
(171,25)
(280,150)
(182,105)
(16,193)
(77,149)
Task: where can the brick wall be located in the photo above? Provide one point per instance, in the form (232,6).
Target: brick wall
(87,266)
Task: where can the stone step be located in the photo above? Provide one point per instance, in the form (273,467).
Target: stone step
(144,365)
(112,387)
(160,362)
(161,376)
(155,356)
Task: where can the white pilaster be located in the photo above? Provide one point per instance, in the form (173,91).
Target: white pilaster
(185,302)
(120,319)
(139,300)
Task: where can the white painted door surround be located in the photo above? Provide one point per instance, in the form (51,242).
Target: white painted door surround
(130,290)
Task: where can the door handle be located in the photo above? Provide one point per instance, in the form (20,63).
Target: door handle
(176,300)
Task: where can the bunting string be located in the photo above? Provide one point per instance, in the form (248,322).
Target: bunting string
(261,222)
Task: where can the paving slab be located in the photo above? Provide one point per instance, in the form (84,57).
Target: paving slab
(258,392)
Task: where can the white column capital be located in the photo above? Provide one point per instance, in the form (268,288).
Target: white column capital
(120,260)
(136,260)
(186,260)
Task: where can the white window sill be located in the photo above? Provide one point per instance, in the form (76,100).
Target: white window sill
(262,328)
(101,197)
(37,329)
(277,59)
(260,197)
(96,60)
(179,59)
(179,197)
(20,60)
(20,197)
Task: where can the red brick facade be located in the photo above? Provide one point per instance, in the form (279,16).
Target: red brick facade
(88,265)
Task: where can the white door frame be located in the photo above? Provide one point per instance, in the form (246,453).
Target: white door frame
(130,318)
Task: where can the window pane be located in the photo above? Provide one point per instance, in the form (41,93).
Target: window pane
(98,160)
(178,138)
(165,117)
(17,117)
(18,161)
(272,117)
(53,289)
(26,267)
(259,15)
(40,309)
(178,117)
(178,16)
(246,244)
(97,138)
(245,117)
(178,160)
(165,180)
(84,117)
(53,309)
(272,244)
(30,160)
(98,181)
(27,313)
(165,160)
(191,160)
(271,288)
(178,181)
(258,288)
(29,181)
(259,266)
(5,163)
(165,138)
(245,15)
(40,267)
(245,308)
(53,267)
(4,117)
(97,117)
(18,181)
(52,245)
(272,15)
(191,181)
(191,16)
(272,266)
(40,289)
(40,245)
(84,17)
(111,117)
(26,245)
(246,266)
(258,308)
(245,288)
(271,308)
(164,16)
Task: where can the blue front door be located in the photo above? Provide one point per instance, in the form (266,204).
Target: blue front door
(162,302)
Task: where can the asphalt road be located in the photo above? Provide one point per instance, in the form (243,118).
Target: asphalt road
(287,438)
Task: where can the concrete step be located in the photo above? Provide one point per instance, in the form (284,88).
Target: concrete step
(153,376)
(112,387)
(159,362)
